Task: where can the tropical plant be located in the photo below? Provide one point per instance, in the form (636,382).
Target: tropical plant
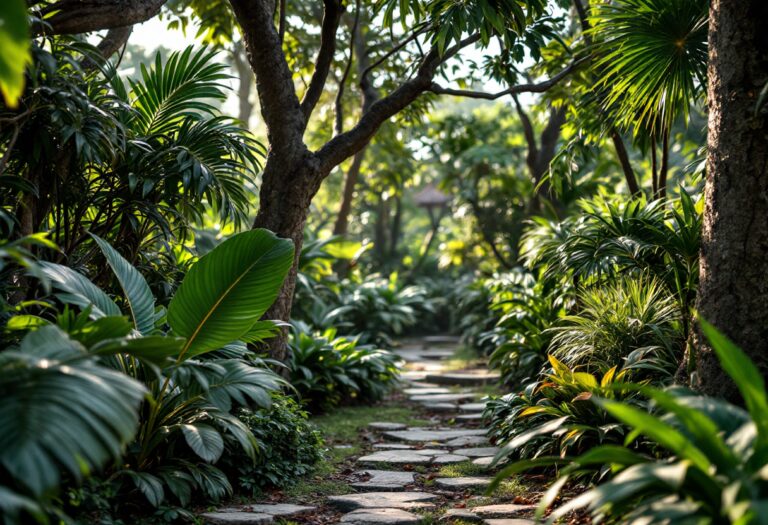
(201,369)
(633,323)
(378,309)
(327,370)
(64,414)
(288,447)
(716,455)
(555,415)
(136,163)
(522,336)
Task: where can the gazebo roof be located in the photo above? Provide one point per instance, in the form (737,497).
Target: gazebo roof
(431,196)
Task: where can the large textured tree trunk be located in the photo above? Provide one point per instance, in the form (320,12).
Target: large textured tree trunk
(734,259)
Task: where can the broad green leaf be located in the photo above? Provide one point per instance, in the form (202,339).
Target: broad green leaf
(61,412)
(80,290)
(657,430)
(229,289)
(263,330)
(135,287)
(14,49)
(152,348)
(205,441)
(744,373)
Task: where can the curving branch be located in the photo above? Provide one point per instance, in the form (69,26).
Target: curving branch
(343,146)
(82,16)
(331,18)
(540,87)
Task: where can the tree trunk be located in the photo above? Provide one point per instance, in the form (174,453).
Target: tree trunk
(283,209)
(734,256)
(245,82)
(350,181)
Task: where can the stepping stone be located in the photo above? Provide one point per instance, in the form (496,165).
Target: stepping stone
(392,446)
(426,391)
(442,340)
(449,459)
(510,521)
(402,457)
(256,514)
(381,500)
(412,375)
(381,517)
(469,417)
(483,462)
(460,514)
(478,452)
(383,480)
(462,483)
(472,407)
(437,354)
(442,398)
(440,407)
(382,425)
(466,441)
(504,510)
(425,434)
(467,378)
(237,518)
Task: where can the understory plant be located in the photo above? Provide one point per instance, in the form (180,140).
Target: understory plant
(555,415)
(190,363)
(288,447)
(327,370)
(710,468)
(629,322)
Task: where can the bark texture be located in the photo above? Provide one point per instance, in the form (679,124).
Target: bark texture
(734,258)
(82,16)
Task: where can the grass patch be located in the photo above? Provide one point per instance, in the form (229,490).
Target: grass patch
(459,470)
(344,424)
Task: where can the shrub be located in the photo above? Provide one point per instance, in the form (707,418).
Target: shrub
(289,447)
(554,416)
(190,364)
(530,307)
(378,309)
(328,370)
(716,452)
(629,320)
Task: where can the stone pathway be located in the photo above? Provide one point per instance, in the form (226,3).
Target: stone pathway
(397,482)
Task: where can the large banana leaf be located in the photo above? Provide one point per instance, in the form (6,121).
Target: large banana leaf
(80,290)
(61,410)
(135,287)
(228,290)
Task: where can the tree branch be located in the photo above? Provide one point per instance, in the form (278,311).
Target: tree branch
(331,17)
(338,105)
(530,139)
(114,40)
(82,16)
(274,82)
(540,87)
(343,146)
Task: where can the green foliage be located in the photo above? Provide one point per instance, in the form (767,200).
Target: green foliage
(716,455)
(378,309)
(652,55)
(289,447)
(14,49)
(63,413)
(328,370)
(135,164)
(632,323)
(189,421)
(229,289)
(554,416)
(522,336)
